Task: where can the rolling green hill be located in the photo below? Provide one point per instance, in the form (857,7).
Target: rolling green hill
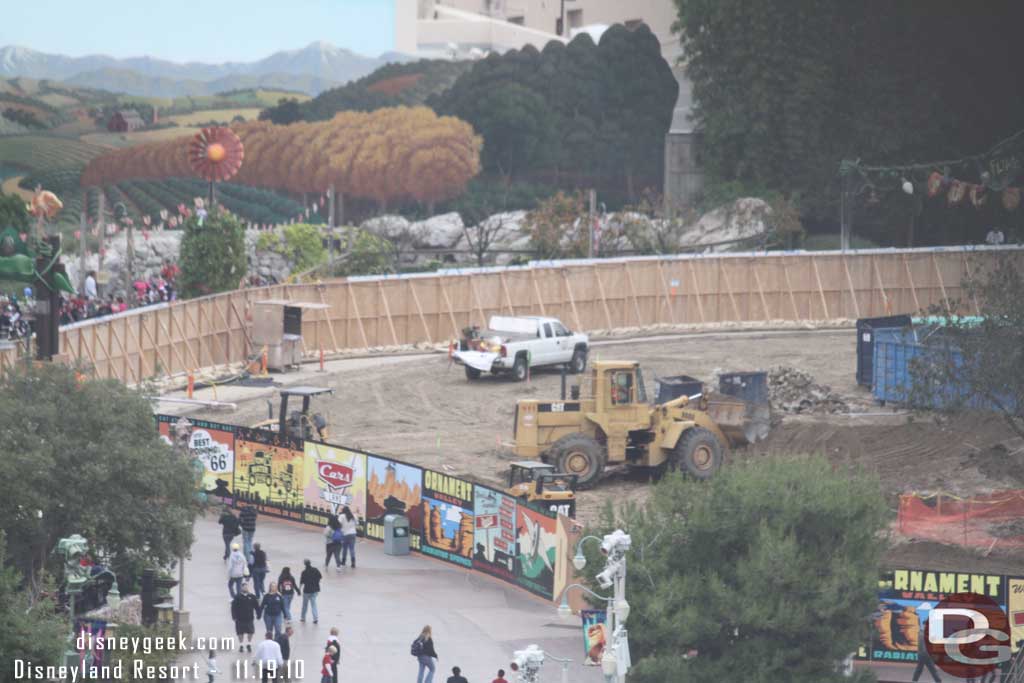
(391,85)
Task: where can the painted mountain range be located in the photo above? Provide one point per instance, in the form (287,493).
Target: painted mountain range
(312,69)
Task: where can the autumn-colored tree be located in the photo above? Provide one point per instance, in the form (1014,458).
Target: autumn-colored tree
(392,154)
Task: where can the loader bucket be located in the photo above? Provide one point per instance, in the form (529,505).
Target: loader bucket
(741,421)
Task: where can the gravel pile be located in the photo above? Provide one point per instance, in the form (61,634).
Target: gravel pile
(794,391)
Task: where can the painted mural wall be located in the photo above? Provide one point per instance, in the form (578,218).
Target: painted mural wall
(450,519)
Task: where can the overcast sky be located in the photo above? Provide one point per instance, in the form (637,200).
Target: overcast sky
(196,30)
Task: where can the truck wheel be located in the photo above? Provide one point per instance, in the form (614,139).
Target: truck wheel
(698,452)
(580,455)
(520,369)
(472,373)
(579,362)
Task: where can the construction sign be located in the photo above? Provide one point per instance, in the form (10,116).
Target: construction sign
(393,488)
(906,596)
(333,478)
(268,472)
(212,444)
(494,534)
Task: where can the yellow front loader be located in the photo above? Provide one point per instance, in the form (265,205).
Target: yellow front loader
(615,424)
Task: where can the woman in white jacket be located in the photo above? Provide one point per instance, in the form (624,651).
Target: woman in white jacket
(349,526)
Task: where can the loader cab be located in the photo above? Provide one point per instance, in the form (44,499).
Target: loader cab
(618,385)
(297,423)
(538,483)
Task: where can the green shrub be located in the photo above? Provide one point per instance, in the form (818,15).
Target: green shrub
(304,246)
(370,255)
(268,241)
(212,254)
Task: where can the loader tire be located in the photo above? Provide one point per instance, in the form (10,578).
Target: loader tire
(472,373)
(580,455)
(698,453)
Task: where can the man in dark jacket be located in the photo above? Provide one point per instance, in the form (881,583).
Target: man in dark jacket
(258,568)
(245,609)
(924,658)
(310,581)
(230,529)
(248,522)
(284,640)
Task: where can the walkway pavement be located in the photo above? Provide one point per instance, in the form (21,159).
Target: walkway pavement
(380,608)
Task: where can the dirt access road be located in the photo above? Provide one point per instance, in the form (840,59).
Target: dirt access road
(423,410)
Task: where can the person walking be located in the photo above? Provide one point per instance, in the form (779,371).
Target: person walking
(332,642)
(288,587)
(259,568)
(457,676)
(272,610)
(237,569)
(248,522)
(924,659)
(333,537)
(268,656)
(327,668)
(211,666)
(501,677)
(245,609)
(310,582)
(423,650)
(229,529)
(90,286)
(285,641)
(349,527)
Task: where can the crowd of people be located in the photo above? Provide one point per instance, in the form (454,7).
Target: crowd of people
(248,568)
(157,288)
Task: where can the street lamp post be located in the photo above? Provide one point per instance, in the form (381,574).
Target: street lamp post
(615,661)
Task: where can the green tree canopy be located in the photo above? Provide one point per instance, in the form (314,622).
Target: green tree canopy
(212,254)
(784,91)
(30,629)
(83,456)
(769,571)
(13,213)
(577,114)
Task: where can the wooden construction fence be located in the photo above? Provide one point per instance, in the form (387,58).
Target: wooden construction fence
(367,313)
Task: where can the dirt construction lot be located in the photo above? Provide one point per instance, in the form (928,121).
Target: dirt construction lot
(423,410)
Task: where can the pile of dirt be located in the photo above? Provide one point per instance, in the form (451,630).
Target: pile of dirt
(794,391)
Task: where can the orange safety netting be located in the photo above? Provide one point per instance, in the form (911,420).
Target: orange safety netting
(992,521)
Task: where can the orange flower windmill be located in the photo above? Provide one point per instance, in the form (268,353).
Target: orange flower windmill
(215,154)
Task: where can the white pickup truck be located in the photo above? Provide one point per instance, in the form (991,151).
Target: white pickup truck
(514,345)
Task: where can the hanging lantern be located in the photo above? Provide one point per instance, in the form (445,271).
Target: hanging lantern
(979,195)
(934,184)
(1011,198)
(957,192)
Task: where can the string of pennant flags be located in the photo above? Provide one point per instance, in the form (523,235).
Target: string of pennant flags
(996,169)
(169,221)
